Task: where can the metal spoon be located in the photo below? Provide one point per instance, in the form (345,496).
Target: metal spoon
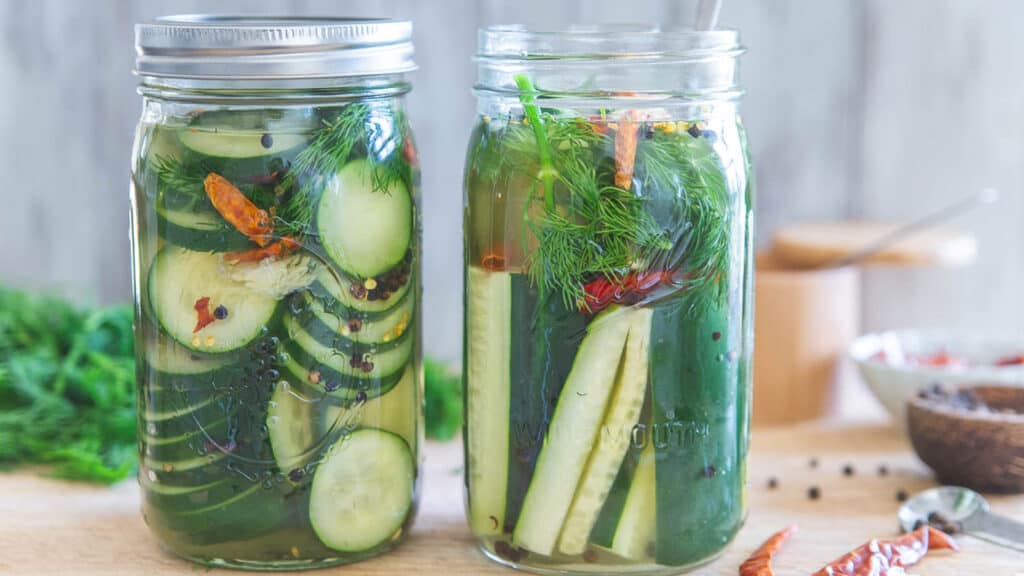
(980,198)
(967,509)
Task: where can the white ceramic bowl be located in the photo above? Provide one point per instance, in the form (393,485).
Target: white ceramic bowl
(881,360)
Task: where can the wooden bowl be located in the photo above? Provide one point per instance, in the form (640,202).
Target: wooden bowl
(981,448)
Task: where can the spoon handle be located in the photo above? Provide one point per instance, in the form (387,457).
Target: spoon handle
(996,529)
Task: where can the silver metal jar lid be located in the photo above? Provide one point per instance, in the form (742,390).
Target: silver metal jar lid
(272,48)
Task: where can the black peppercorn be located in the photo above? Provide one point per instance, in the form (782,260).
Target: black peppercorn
(367,367)
(355,325)
(716,336)
(814,493)
(331,385)
(296,474)
(220,312)
(709,471)
(773,483)
(266,140)
(694,131)
(848,470)
(360,397)
(883,470)
(813,463)
(901,495)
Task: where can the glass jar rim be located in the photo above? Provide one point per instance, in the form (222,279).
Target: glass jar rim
(605,41)
(227,47)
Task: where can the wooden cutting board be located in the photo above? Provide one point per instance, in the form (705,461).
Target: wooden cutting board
(53,527)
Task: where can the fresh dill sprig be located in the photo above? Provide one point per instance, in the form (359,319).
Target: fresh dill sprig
(378,131)
(180,185)
(684,179)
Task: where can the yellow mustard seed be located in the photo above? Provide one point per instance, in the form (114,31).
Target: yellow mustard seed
(669,128)
(196,341)
(387,337)
(370,284)
(486,119)
(210,340)
(345,330)
(295,551)
(168,467)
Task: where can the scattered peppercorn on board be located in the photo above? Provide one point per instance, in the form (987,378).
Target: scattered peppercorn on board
(857,472)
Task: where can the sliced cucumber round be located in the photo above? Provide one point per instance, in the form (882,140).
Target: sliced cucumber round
(159,409)
(364,231)
(183,465)
(330,286)
(396,411)
(362,492)
(247,133)
(377,330)
(292,427)
(330,386)
(179,278)
(200,230)
(310,352)
(183,497)
(234,510)
(168,357)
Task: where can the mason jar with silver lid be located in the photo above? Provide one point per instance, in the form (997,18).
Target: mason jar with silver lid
(276,255)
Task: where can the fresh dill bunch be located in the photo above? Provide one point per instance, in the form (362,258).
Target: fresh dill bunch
(67,387)
(684,180)
(675,218)
(374,130)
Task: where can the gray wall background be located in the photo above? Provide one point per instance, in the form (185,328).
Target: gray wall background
(856,108)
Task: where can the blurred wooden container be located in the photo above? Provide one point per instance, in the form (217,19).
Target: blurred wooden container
(804,322)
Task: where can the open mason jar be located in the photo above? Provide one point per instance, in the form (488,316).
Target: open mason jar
(276,246)
(608,216)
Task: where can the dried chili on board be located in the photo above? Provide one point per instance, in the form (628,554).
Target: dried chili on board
(889,557)
(248,218)
(760,562)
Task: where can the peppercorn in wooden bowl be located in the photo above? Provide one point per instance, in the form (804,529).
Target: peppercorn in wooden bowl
(971,436)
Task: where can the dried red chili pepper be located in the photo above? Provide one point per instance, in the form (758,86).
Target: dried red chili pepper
(283,246)
(603,292)
(409,152)
(760,562)
(203,315)
(879,557)
(493,261)
(263,179)
(238,210)
(596,123)
(625,150)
